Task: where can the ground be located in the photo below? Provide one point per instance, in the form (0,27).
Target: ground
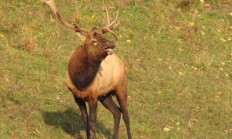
(178,55)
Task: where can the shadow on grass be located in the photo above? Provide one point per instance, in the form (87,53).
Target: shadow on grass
(71,122)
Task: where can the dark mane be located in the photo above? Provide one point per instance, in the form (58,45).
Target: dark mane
(82,68)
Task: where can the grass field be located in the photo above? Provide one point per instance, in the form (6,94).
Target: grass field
(178,55)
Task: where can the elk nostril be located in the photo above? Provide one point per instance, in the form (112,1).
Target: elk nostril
(112,44)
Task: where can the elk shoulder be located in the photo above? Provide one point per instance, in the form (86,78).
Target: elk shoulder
(110,74)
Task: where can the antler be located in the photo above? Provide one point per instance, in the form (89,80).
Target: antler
(73,26)
(110,26)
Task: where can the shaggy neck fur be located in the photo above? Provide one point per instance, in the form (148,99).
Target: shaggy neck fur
(83,66)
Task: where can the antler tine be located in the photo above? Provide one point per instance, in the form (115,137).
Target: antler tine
(110,26)
(110,31)
(107,15)
(73,26)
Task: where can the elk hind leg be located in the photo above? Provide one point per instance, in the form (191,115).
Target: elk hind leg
(121,95)
(82,106)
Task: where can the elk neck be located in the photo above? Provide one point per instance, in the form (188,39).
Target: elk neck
(83,66)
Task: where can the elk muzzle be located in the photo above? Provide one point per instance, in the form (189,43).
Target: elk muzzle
(109,48)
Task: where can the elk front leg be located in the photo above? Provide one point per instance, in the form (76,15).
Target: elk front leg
(93,117)
(121,95)
(82,107)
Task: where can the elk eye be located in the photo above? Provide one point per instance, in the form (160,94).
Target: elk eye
(94,41)
(95,34)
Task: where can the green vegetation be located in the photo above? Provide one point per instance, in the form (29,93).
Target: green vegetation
(178,54)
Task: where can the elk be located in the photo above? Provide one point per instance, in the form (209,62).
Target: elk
(95,74)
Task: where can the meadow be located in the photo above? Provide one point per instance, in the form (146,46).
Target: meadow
(178,55)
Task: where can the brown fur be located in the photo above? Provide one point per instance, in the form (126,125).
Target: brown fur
(110,76)
(85,60)
(82,68)
(94,74)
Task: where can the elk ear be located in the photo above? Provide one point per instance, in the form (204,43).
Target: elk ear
(94,28)
(81,36)
(94,33)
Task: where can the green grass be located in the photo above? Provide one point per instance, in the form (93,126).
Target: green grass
(178,54)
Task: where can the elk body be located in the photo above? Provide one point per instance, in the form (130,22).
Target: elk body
(96,74)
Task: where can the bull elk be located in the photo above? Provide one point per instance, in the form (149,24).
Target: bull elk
(95,73)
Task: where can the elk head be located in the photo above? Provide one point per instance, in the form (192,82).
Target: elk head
(93,38)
